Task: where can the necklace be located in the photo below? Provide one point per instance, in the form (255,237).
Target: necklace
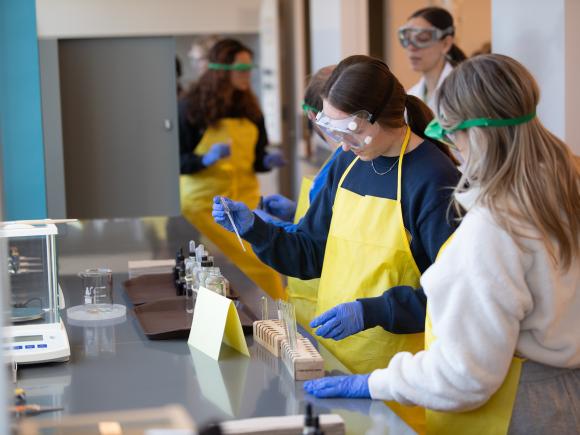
(387,171)
(393,165)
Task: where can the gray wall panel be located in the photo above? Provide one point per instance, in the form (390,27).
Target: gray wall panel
(117,94)
(52,128)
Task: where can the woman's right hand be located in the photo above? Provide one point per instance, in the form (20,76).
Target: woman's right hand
(216,152)
(241,215)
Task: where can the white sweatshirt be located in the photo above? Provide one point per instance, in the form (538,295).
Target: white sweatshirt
(487,300)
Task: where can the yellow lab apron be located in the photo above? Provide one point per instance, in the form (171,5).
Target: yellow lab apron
(367,252)
(303,293)
(493,418)
(235,178)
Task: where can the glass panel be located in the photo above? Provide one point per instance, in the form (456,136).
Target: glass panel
(32,270)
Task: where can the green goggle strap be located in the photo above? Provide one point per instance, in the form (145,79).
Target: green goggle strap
(308,108)
(435,131)
(231,67)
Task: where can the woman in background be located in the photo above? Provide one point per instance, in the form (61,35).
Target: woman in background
(428,37)
(222,141)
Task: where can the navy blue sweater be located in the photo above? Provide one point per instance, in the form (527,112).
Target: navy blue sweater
(428,176)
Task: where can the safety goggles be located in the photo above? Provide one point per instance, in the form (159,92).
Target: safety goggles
(422,37)
(231,67)
(351,131)
(329,141)
(435,131)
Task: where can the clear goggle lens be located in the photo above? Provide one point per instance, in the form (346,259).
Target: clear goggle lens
(422,37)
(346,131)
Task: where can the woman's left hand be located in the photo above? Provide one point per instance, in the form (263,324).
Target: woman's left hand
(340,322)
(353,386)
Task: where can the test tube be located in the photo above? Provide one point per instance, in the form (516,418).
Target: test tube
(292,324)
(264,305)
(227,210)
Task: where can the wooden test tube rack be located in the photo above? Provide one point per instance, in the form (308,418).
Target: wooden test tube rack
(303,363)
(270,333)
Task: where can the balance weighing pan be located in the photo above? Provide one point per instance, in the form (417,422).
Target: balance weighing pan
(26,314)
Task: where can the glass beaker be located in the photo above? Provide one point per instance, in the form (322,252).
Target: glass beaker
(98,289)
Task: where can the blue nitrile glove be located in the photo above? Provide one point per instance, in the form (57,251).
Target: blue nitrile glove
(266,217)
(280,207)
(274,160)
(241,214)
(353,386)
(216,152)
(340,322)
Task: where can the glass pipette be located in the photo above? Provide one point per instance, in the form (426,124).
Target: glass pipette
(228,212)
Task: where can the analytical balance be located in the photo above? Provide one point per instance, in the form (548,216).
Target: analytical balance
(36,333)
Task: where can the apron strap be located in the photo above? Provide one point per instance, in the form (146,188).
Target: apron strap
(347,171)
(400,166)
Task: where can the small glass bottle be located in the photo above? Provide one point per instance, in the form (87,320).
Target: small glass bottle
(202,273)
(228,294)
(216,282)
(189,298)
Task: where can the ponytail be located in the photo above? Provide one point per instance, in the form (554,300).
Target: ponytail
(455,55)
(418,116)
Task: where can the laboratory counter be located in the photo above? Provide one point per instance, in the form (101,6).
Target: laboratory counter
(115,367)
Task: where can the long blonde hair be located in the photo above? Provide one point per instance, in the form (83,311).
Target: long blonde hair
(526,176)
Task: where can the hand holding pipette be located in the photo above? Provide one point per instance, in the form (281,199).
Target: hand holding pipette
(233,216)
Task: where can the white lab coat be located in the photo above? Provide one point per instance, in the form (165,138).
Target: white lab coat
(419,89)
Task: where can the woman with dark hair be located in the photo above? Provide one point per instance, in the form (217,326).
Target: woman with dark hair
(377,224)
(222,143)
(428,38)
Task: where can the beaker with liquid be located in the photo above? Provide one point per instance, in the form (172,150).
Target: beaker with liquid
(97,289)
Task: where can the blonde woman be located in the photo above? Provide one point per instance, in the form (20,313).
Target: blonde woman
(502,330)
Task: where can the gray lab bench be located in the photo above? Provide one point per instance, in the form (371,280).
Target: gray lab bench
(115,367)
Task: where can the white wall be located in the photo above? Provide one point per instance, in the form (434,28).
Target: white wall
(96,18)
(338,28)
(536,39)
(544,36)
(324,33)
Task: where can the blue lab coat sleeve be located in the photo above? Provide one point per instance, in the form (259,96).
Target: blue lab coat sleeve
(298,253)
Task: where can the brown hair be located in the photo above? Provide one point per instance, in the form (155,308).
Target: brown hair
(527,177)
(213,97)
(442,20)
(365,83)
(313,91)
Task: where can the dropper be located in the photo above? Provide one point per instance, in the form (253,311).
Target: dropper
(228,212)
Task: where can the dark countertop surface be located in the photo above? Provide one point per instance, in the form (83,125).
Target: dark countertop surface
(116,367)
